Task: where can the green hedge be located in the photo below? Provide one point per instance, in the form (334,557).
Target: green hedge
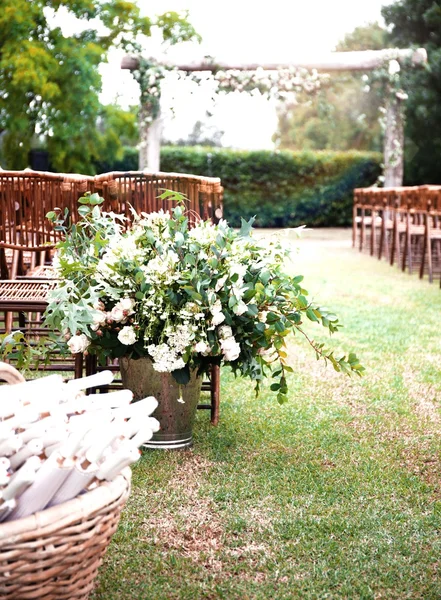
(129,162)
(283,189)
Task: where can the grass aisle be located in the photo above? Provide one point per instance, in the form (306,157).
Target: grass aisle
(334,495)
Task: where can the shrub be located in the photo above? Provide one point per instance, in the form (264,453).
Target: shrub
(283,189)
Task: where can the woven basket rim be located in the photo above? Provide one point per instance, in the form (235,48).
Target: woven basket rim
(62,515)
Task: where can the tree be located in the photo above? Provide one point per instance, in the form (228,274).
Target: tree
(343,115)
(49,82)
(203,134)
(418,22)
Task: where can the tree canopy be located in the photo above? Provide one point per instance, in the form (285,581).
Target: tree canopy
(49,82)
(418,22)
(342,116)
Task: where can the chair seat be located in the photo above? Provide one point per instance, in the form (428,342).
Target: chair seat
(25,294)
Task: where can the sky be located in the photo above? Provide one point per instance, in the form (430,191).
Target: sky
(240,31)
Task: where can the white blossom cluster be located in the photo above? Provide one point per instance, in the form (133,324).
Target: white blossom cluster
(176,294)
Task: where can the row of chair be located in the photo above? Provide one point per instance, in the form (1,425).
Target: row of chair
(401,224)
(27,196)
(27,237)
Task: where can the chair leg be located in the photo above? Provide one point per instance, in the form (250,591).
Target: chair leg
(373,231)
(354,226)
(362,229)
(79,358)
(4,270)
(215,394)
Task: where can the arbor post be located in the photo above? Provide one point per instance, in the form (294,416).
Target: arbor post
(150,140)
(394,142)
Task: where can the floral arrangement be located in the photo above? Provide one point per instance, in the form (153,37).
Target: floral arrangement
(185,296)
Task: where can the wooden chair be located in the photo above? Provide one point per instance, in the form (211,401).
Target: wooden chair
(366,218)
(25,199)
(386,209)
(141,190)
(21,295)
(431,253)
(415,210)
(27,196)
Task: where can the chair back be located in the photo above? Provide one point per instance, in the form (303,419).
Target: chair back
(141,190)
(25,199)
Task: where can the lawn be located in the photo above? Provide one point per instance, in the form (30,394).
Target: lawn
(333,495)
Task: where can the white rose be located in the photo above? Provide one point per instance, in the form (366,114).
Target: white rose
(127,336)
(230,348)
(218,318)
(99,318)
(78,343)
(225,332)
(269,354)
(127,305)
(117,314)
(201,347)
(122,310)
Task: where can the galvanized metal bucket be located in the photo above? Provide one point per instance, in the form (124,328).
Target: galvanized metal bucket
(177,404)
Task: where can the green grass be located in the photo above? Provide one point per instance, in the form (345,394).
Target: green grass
(334,495)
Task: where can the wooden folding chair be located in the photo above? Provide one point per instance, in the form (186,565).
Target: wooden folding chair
(140,190)
(431,253)
(20,296)
(26,197)
(415,211)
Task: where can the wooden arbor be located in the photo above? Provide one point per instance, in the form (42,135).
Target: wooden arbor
(367,60)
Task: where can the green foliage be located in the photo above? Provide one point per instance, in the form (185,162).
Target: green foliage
(117,134)
(49,83)
(282,189)
(185,297)
(418,22)
(343,115)
(127,162)
(334,495)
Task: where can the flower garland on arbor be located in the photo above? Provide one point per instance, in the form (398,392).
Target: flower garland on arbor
(281,84)
(388,82)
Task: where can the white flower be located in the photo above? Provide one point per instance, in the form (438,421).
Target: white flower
(401,95)
(225,332)
(122,310)
(269,354)
(164,358)
(218,318)
(216,311)
(201,347)
(78,343)
(394,67)
(230,348)
(262,316)
(127,335)
(220,283)
(205,233)
(240,309)
(99,318)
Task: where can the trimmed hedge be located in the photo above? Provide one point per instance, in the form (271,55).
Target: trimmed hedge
(283,189)
(129,162)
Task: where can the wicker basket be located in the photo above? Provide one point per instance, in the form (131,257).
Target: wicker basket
(55,554)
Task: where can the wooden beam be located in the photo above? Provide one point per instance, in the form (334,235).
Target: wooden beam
(364,60)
